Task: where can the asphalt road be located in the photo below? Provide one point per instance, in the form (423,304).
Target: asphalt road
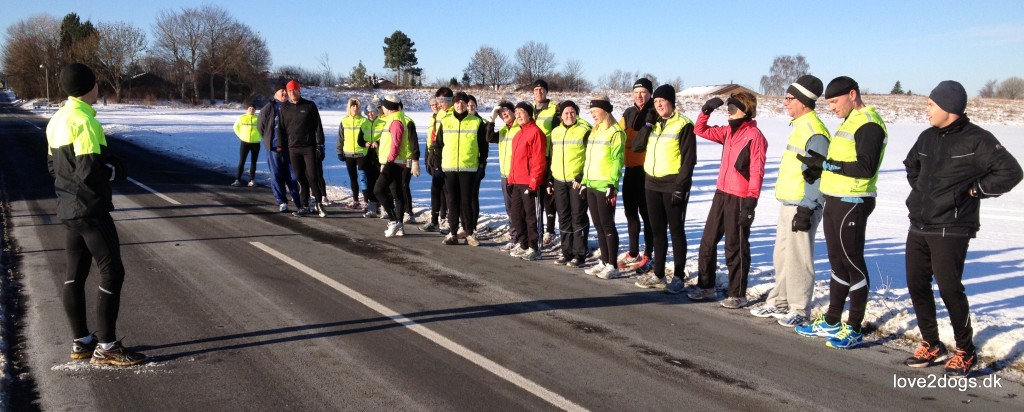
(242,308)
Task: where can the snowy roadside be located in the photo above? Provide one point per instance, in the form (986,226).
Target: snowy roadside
(995,266)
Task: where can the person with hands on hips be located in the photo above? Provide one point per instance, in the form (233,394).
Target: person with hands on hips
(670,154)
(802,203)
(601,172)
(527,166)
(732,208)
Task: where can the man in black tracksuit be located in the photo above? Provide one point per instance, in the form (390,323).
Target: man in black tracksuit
(303,132)
(952,166)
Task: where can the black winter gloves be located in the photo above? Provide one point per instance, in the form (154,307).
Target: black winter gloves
(815,163)
(711,105)
(746,218)
(341,157)
(679,198)
(611,194)
(320,153)
(117,170)
(802,219)
(652,117)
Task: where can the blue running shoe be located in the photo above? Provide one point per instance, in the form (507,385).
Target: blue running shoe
(846,338)
(819,328)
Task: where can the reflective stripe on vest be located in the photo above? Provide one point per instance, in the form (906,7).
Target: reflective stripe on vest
(404,149)
(843,148)
(461,152)
(505,136)
(567,150)
(790,184)
(246,128)
(604,157)
(351,126)
(663,155)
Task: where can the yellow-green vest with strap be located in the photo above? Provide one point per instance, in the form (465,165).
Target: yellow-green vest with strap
(546,120)
(568,153)
(351,126)
(438,118)
(790,185)
(605,157)
(79,128)
(663,155)
(505,136)
(376,127)
(843,148)
(246,128)
(404,148)
(461,152)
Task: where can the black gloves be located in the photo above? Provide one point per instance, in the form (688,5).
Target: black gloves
(975,191)
(815,162)
(341,157)
(320,153)
(711,105)
(530,193)
(611,194)
(746,217)
(679,199)
(652,117)
(802,219)
(117,170)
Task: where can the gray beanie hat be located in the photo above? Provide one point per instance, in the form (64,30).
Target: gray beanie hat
(950,96)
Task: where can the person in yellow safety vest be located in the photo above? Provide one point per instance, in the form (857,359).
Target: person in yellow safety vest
(461,141)
(351,149)
(503,138)
(568,154)
(442,107)
(395,155)
(372,130)
(802,203)
(544,115)
(848,175)
(474,198)
(247,131)
(79,160)
(669,145)
(601,172)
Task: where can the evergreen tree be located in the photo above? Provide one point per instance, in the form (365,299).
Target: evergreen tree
(399,55)
(896,88)
(358,77)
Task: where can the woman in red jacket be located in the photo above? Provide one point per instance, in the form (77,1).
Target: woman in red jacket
(732,208)
(529,162)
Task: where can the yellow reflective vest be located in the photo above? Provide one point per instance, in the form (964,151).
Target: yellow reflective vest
(791,184)
(351,126)
(663,155)
(461,151)
(246,128)
(843,148)
(505,136)
(568,151)
(404,146)
(605,157)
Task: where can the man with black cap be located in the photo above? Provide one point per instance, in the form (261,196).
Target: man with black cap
(634,199)
(82,170)
(789,301)
(303,131)
(544,113)
(282,177)
(848,175)
(952,166)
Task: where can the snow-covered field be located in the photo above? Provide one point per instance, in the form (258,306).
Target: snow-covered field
(995,265)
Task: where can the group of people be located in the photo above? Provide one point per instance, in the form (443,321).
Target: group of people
(553,163)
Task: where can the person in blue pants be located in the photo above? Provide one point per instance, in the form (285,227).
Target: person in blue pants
(282,175)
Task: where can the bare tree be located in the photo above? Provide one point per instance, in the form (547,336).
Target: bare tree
(989,89)
(29,43)
(1011,88)
(179,39)
(219,42)
(784,71)
(325,69)
(533,61)
(121,44)
(676,83)
(490,67)
(572,72)
(618,80)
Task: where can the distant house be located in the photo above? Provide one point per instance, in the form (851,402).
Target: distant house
(721,90)
(385,84)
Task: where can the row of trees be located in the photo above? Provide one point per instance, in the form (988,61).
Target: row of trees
(1011,88)
(190,48)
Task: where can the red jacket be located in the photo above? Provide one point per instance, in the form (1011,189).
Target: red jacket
(742,153)
(529,148)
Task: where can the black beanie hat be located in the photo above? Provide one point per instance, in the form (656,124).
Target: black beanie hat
(391,102)
(507,104)
(525,106)
(666,92)
(540,83)
(280,85)
(564,104)
(950,96)
(461,96)
(602,103)
(643,82)
(841,85)
(77,79)
(806,89)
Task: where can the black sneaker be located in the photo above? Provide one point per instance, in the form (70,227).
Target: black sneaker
(81,350)
(561,260)
(961,363)
(578,262)
(926,355)
(118,355)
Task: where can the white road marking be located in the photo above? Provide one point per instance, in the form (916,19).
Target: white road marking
(491,366)
(150,189)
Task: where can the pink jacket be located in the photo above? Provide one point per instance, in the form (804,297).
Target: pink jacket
(742,153)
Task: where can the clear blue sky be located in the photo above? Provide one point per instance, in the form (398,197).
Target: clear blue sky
(918,43)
